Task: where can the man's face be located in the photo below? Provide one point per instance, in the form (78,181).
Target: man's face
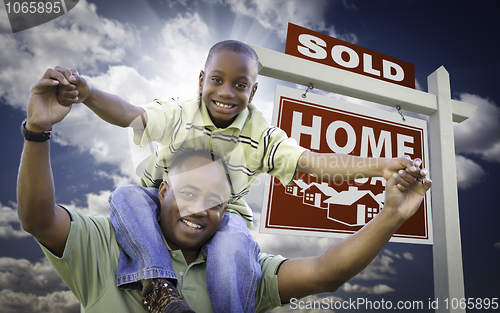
(193,202)
(227,85)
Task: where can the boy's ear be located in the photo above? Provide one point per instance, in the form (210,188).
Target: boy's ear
(254,90)
(201,81)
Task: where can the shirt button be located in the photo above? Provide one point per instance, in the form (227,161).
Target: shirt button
(181,273)
(214,146)
(173,254)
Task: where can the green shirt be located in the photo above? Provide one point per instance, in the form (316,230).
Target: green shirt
(89,265)
(249,146)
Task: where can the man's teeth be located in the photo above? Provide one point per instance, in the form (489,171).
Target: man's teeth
(193,225)
(224,106)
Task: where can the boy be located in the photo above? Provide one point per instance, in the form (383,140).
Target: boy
(220,118)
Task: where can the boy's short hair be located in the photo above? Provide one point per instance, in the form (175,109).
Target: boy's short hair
(235,46)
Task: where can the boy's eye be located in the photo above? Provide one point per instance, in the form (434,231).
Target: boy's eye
(216,79)
(241,85)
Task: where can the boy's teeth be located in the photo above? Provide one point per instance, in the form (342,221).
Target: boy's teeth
(224,106)
(191,224)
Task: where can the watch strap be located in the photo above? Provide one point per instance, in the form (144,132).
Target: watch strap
(31,136)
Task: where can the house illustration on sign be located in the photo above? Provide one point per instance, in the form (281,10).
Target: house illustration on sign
(316,195)
(296,187)
(352,207)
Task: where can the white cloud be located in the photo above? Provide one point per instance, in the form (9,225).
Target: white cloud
(10,227)
(409,256)
(97,204)
(9,223)
(85,39)
(379,268)
(287,245)
(56,302)
(468,172)
(275,15)
(80,37)
(480,134)
(19,275)
(377,289)
(390,253)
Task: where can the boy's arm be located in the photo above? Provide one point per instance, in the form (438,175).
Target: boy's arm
(38,213)
(334,166)
(342,261)
(109,107)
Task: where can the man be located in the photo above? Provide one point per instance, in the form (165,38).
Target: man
(85,253)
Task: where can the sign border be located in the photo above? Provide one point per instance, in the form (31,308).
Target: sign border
(354,109)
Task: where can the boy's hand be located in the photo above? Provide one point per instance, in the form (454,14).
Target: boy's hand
(77,91)
(412,167)
(404,193)
(44,109)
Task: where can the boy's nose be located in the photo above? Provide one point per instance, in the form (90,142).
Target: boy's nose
(226,91)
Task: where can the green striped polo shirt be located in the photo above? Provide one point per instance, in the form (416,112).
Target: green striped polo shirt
(249,146)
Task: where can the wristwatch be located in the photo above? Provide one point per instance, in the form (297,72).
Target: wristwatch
(31,136)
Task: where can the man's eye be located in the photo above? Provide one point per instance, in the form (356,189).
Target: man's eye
(213,203)
(187,194)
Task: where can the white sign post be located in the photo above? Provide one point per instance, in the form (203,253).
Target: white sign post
(442,110)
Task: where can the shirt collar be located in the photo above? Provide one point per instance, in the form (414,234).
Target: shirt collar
(238,122)
(179,256)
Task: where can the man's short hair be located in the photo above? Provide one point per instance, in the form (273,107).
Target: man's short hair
(184,155)
(235,46)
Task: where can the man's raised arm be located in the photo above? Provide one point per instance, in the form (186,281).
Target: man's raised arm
(38,213)
(342,261)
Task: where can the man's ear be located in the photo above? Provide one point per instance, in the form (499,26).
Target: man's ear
(201,80)
(254,90)
(162,190)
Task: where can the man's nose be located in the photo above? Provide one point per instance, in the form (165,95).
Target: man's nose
(198,208)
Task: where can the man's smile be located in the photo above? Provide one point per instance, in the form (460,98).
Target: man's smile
(191,224)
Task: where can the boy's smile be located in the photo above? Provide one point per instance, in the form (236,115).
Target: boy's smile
(227,85)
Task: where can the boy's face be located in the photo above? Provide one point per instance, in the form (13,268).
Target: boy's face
(227,85)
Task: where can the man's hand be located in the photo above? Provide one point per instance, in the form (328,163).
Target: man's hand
(77,91)
(44,109)
(406,163)
(404,193)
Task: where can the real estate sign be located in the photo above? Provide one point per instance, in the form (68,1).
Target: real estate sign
(337,207)
(317,47)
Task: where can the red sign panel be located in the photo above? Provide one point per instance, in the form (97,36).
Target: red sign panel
(336,207)
(317,47)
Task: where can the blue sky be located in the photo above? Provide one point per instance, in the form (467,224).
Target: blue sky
(142,50)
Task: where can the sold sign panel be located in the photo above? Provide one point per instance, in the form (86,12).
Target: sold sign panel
(339,206)
(27,14)
(317,47)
